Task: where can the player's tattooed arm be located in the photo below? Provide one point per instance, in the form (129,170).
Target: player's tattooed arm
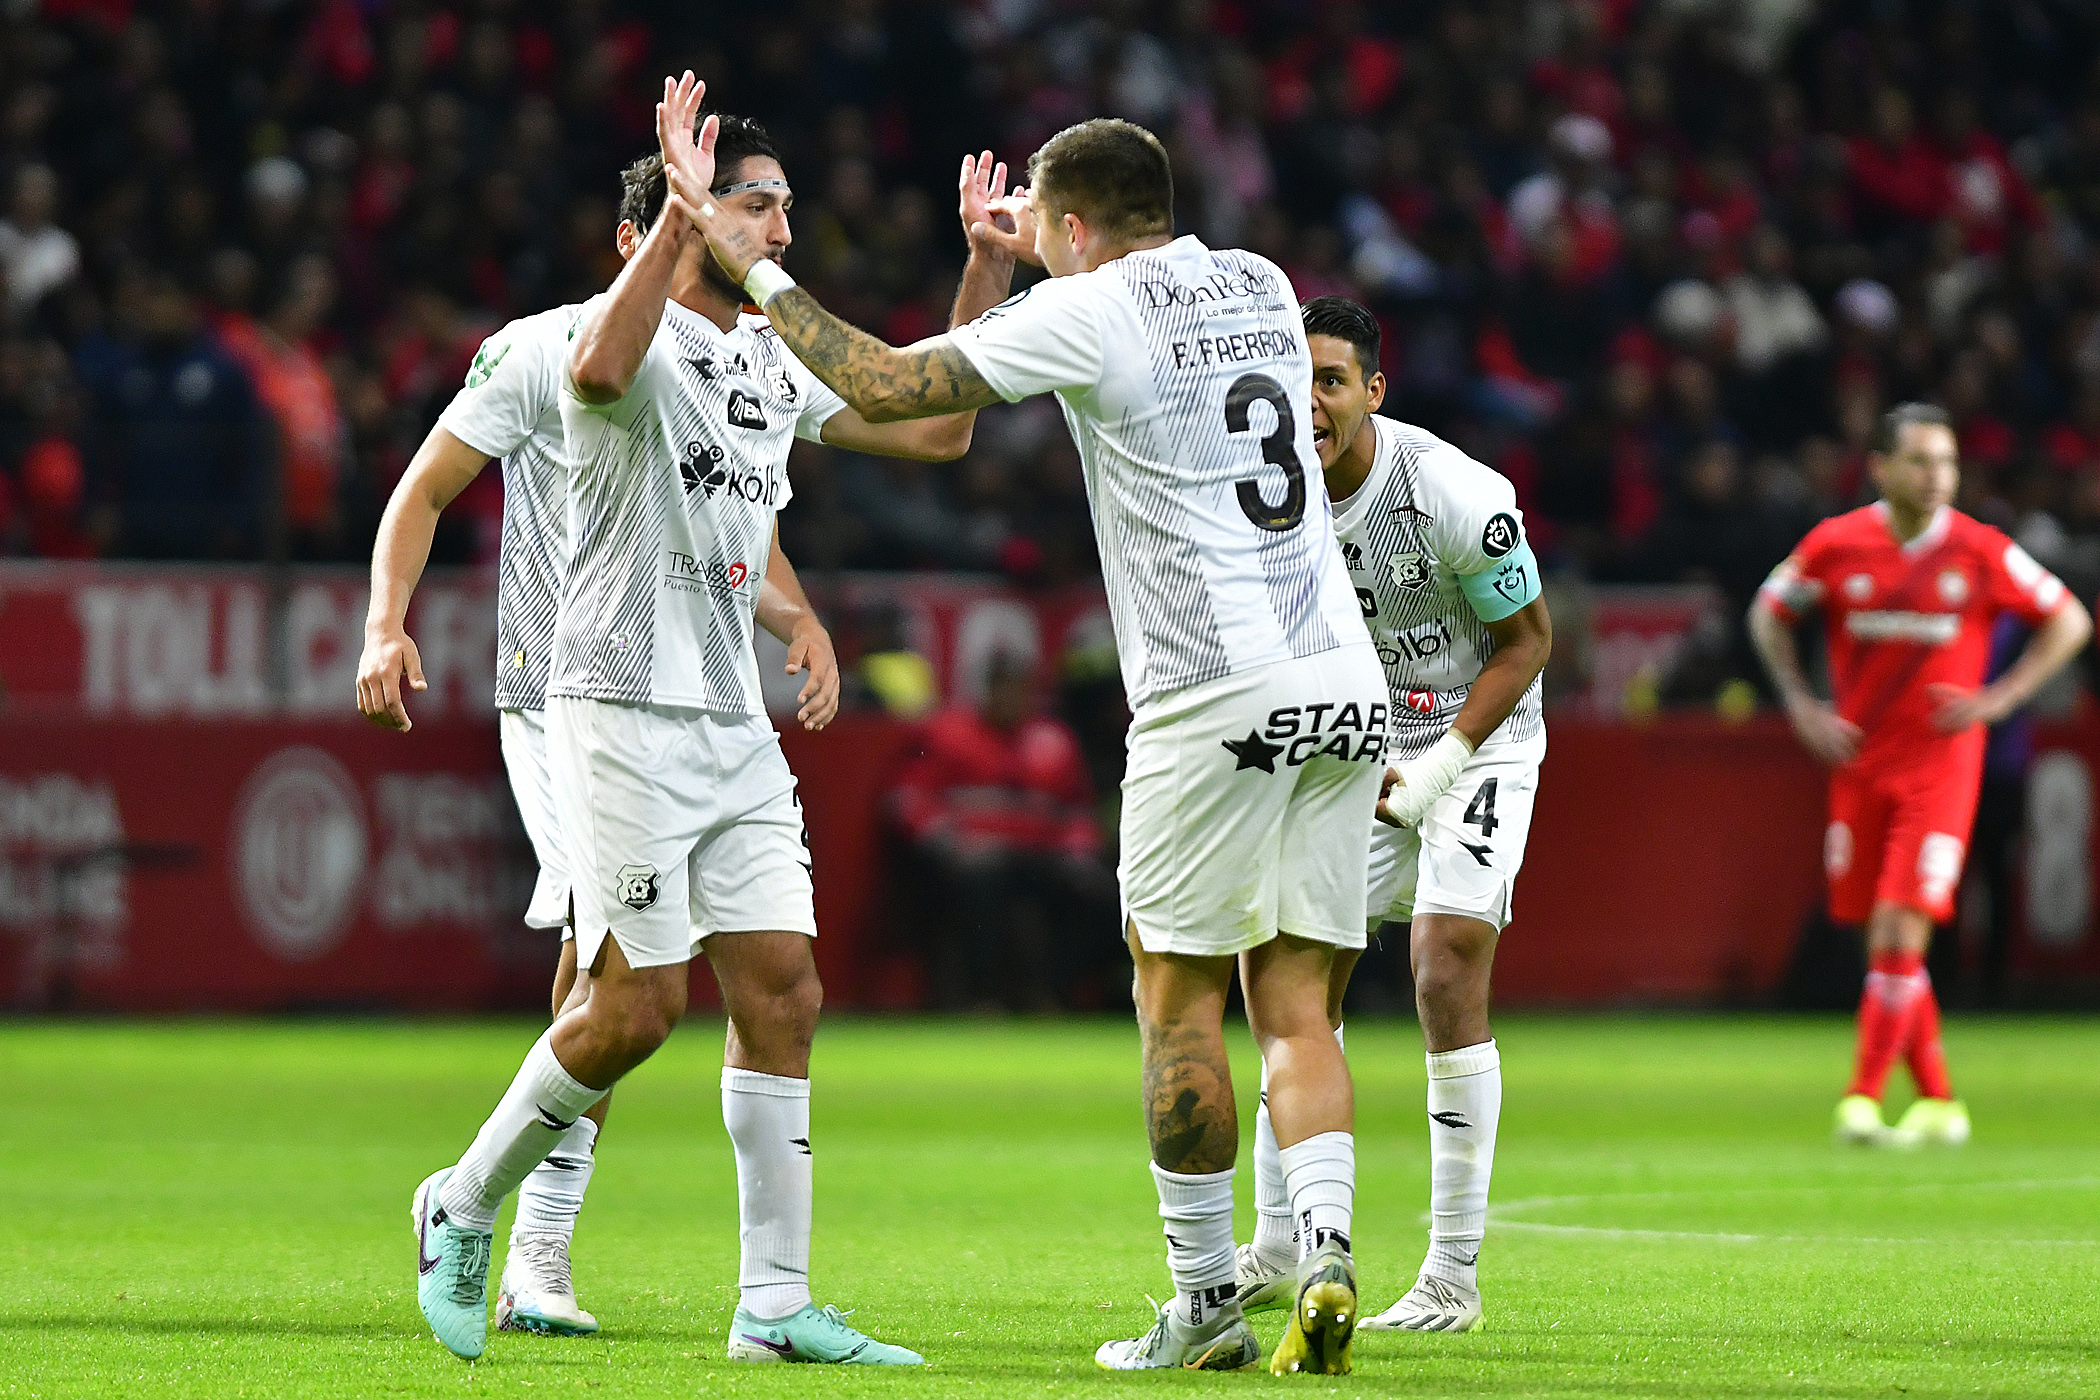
(885,384)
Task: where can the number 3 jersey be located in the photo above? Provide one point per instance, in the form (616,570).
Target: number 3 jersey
(672,493)
(1186,383)
(1434,544)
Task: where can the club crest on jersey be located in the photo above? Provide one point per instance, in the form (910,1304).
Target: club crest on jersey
(1954,587)
(782,383)
(1410,570)
(1859,587)
(744,411)
(636,886)
(1500,536)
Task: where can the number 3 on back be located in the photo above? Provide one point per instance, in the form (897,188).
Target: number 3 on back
(1279,449)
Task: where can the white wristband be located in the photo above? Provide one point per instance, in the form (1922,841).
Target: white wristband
(1423,780)
(766,279)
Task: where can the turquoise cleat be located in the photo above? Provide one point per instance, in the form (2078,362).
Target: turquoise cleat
(452,1273)
(813,1334)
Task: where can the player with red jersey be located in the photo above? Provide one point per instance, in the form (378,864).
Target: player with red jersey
(1910,589)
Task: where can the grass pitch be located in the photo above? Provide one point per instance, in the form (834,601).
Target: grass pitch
(220,1209)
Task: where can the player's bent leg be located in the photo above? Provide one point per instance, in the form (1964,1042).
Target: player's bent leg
(1893,997)
(772,994)
(630,1012)
(538,1292)
(1193,1127)
(1312,1105)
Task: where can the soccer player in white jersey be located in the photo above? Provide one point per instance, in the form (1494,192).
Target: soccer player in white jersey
(1259,708)
(1435,546)
(510,408)
(677,811)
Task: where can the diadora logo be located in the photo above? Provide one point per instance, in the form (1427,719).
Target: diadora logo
(681,568)
(1354,555)
(636,886)
(744,411)
(704,366)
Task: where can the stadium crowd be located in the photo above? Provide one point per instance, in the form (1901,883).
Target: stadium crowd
(1661,263)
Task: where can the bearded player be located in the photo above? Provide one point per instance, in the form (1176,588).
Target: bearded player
(1434,544)
(1259,711)
(677,812)
(1910,590)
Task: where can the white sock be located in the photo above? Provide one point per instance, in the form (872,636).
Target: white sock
(1320,1174)
(1465,1104)
(768,1120)
(552,1194)
(541,1105)
(1197,1209)
(1275,1223)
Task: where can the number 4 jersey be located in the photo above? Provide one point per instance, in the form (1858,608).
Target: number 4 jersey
(1185,379)
(1434,544)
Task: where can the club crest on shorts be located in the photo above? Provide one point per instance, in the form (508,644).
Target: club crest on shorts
(1410,570)
(636,886)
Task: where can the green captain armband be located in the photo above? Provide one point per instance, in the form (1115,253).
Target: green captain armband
(1503,586)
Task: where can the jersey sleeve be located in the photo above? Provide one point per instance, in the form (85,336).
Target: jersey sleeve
(1043,338)
(1796,584)
(507,390)
(1478,533)
(816,403)
(2017,583)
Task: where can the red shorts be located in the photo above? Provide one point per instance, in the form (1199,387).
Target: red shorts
(1898,838)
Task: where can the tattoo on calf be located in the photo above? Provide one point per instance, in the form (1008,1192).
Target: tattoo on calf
(1188,1103)
(883,383)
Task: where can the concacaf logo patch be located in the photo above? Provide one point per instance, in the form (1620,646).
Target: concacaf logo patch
(485,361)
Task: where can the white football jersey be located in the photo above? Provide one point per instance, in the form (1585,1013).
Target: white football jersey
(672,495)
(510,408)
(1427,517)
(1185,380)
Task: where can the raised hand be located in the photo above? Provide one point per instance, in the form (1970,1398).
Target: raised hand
(689,160)
(1011,230)
(983,184)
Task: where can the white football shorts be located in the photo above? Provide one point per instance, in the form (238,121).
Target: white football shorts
(1244,803)
(1464,857)
(679,824)
(523,734)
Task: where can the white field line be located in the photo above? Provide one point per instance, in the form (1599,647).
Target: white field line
(1499,1217)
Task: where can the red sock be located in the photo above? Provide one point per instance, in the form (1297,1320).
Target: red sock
(1928,1062)
(1885,1007)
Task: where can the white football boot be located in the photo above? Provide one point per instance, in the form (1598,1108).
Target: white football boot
(1261,1285)
(1432,1305)
(537,1294)
(1223,1343)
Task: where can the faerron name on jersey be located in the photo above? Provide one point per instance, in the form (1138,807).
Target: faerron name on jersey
(1205,351)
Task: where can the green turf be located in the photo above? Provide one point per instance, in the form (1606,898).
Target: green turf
(206,1209)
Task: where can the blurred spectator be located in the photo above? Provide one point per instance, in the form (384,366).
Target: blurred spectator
(995,812)
(37,257)
(296,392)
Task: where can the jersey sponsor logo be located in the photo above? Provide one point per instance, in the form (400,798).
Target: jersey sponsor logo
(1410,570)
(1422,702)
(485,363)
(1353,556)
(1859,587)
(1221,285)
(700,469)
(1500,535)
(744,411)
(1348,731)
(1928,629)
(1431,639)
(1953,587)
(636,886)
(682,571)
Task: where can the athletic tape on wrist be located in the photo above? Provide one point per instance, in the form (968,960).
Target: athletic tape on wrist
(766,279)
